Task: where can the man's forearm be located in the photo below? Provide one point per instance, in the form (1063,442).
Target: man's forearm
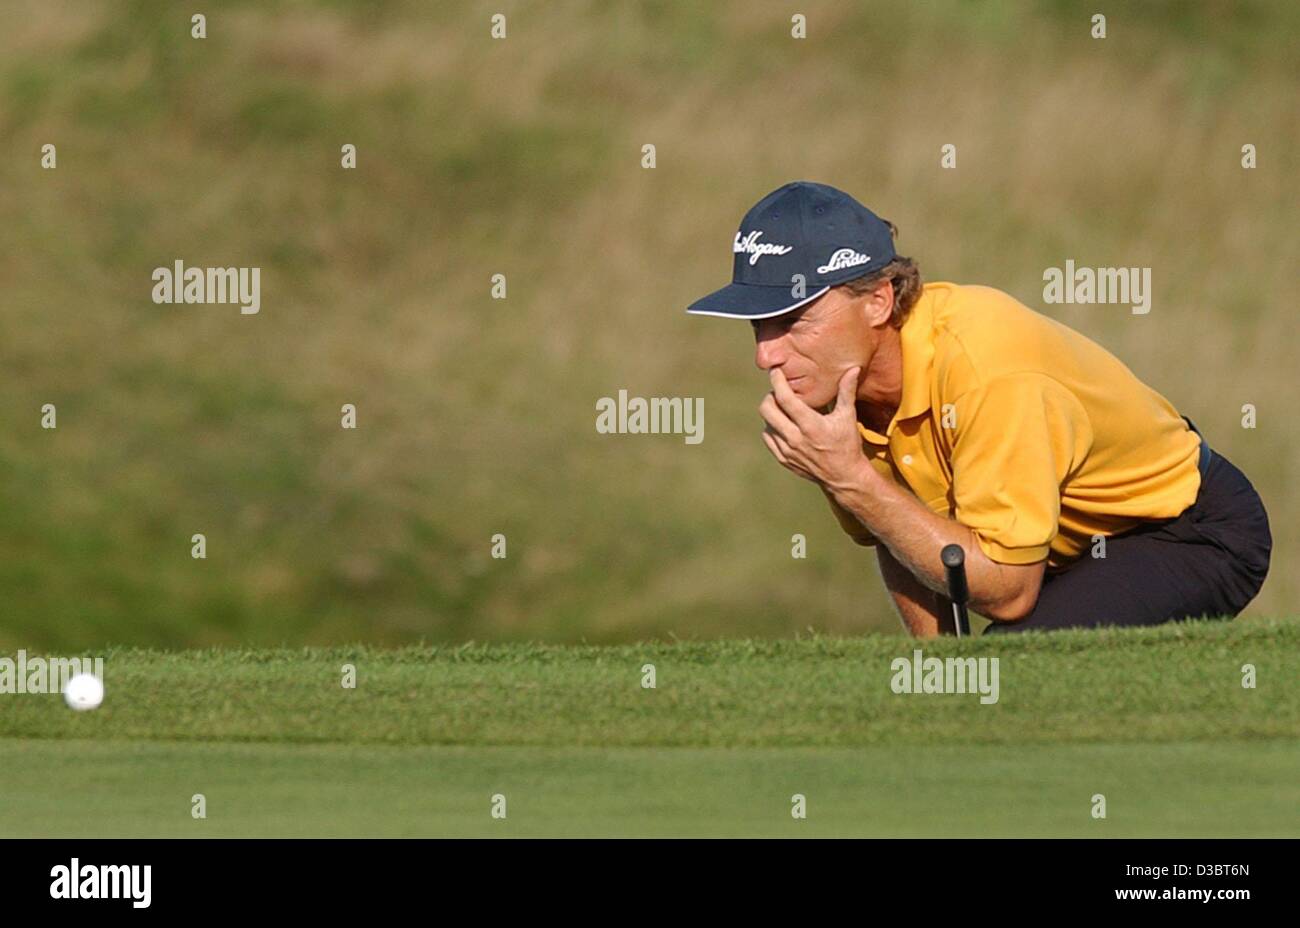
(913,534)
(918,607)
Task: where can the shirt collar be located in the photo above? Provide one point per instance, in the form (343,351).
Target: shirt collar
(916,341)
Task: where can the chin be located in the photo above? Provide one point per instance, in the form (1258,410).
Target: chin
(813,395)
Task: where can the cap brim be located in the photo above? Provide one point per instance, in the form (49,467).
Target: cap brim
(750,301)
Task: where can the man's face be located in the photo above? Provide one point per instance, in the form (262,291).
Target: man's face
(815,345)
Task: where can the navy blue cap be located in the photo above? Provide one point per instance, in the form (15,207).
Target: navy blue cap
(801,228)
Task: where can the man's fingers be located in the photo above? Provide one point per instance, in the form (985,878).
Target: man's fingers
(781,448)
(770,441)
(790,404)
(781,451)
(781,443)
(776,419)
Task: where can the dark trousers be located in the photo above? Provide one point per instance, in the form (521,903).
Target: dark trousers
(1210,561)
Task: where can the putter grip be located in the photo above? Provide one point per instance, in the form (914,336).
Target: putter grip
(954,563)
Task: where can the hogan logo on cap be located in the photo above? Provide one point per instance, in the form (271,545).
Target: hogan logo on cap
(750,245)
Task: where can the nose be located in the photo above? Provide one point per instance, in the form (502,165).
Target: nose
(767,350)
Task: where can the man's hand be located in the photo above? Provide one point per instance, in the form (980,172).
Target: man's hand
(826,449)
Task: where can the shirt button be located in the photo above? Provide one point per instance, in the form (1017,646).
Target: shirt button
(907,459)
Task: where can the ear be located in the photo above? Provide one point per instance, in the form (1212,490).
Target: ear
(879,304)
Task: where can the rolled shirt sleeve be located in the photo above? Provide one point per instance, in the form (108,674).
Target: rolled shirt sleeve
(1017,438)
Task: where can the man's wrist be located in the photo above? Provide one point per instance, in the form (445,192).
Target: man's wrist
(853,483)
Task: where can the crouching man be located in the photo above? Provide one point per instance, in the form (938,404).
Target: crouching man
(934,414)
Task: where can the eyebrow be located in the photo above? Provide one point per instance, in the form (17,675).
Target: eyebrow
(783,319)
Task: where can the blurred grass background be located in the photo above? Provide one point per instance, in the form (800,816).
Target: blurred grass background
(522,157)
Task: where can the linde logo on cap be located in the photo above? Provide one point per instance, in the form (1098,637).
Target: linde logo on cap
(751,246)
(845,257)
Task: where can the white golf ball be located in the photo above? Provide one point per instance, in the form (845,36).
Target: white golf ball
(84,691)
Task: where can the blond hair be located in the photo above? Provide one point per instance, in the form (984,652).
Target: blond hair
(903,275)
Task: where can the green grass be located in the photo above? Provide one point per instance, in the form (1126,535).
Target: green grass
(523,157)
(1164,684)
(1156,720)
(143,789)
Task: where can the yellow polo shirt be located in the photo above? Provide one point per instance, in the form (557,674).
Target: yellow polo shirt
(1024,431)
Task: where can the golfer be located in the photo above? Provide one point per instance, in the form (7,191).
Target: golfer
(935,414)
